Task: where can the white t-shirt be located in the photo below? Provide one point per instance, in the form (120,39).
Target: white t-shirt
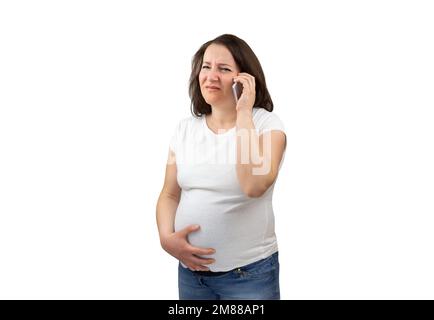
(239,228)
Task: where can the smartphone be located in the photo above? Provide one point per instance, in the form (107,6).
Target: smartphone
(237,89)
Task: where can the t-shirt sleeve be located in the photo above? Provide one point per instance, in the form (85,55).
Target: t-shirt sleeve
(178,135)
(268,121)
(173,143)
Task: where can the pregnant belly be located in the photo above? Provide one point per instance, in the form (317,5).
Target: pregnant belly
(223,227)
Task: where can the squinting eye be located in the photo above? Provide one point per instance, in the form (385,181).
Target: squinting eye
(205,67)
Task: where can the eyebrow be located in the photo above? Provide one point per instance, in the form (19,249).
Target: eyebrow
(220,64)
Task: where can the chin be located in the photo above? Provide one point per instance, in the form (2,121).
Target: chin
(210,100)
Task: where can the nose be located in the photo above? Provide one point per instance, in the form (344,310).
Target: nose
(212,75)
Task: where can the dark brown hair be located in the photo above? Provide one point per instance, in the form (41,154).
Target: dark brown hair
(246,61)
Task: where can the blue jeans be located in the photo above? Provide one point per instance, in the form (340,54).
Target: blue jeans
(256,281)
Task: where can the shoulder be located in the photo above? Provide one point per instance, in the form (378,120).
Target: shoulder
(265,120)
(185,129)
(188,123)
(262,114)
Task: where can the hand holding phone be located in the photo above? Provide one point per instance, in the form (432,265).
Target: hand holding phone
(237,89)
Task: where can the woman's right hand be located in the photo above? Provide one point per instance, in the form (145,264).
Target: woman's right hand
(177,245)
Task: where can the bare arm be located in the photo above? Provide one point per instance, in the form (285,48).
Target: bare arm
(176,243)
(258,157)
(168,200)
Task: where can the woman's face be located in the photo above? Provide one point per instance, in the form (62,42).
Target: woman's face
(216,76)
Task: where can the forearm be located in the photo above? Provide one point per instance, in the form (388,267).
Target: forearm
(250,158)
(166,210)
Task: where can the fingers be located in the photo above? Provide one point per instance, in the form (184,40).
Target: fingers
(191,255)
(197,263)
(246,79)
(201,251)
(198,268)
(189,229)
(201,261)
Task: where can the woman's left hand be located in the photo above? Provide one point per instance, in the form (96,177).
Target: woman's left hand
(247,98)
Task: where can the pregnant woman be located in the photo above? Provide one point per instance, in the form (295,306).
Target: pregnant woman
(215,212)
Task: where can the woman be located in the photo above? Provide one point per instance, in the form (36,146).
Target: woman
(214,213)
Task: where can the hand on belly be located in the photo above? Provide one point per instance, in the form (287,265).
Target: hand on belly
(178,246)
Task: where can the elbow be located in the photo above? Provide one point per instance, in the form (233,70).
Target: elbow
(254,192)
(257,190)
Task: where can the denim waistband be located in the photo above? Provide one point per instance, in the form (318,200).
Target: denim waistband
(219,273)
(211,273)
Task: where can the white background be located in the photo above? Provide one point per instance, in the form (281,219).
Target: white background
(90,93)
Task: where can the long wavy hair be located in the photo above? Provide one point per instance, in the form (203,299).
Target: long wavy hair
(246,61)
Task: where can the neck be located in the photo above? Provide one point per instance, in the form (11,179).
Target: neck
(223,118)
